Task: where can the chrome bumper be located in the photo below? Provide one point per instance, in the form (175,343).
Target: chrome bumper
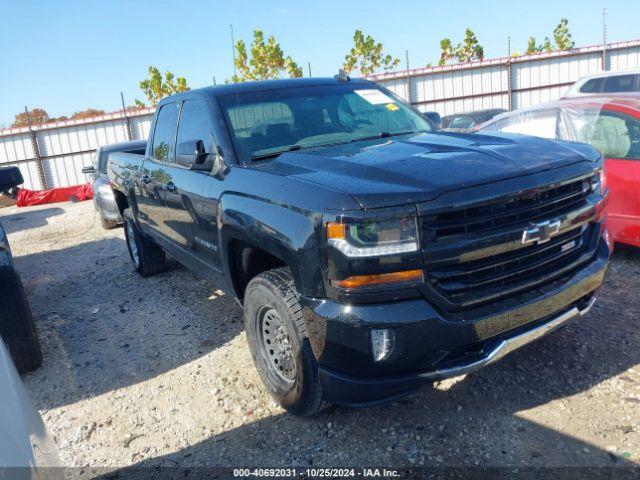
(510,344)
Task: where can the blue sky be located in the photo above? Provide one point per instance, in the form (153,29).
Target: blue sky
(69,55)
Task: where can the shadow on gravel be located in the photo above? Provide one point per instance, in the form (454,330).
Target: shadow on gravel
(33,218)
(479,420)
(103,327)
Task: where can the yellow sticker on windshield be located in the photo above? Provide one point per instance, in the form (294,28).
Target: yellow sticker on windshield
(392,106)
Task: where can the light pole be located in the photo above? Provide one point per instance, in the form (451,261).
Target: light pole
(604,39)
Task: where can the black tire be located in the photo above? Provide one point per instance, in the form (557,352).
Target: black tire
(298,390)
(16,322)
(108,224)
(147,257)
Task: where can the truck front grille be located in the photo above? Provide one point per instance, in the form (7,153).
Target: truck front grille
(475,255)
(512,210)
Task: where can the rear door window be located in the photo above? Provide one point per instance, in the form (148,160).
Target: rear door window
(165,133)
(620,83)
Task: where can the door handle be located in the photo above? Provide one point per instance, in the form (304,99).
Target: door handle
(145,179)
(170,187)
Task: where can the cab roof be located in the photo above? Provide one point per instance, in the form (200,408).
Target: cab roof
(265,85)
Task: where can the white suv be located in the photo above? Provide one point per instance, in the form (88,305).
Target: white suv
(606,82)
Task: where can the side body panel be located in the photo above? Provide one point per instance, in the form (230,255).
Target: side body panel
(623,177)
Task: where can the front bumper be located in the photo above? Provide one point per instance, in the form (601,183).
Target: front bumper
(428,346)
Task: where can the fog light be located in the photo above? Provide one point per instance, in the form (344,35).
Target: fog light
(382,343)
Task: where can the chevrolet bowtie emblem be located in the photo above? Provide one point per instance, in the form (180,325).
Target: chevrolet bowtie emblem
(541,232)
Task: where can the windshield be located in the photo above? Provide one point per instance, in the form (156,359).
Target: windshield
(266,123)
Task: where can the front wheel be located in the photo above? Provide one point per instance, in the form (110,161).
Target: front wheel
(279,344)
(147,257)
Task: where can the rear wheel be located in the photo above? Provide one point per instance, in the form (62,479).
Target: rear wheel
(16,322)
(147,257)
(279,344)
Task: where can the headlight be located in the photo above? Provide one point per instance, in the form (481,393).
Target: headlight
(373,251)
(367,238)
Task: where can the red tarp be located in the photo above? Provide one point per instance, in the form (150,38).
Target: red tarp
(78,193)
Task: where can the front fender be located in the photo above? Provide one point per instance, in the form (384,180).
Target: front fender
(288,233)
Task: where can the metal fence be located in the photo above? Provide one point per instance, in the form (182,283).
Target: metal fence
(509,82)
(53,154)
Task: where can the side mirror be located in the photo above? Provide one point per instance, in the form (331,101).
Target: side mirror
(89,170)
(220,168)
(192,154)
(434,119)
(10,177)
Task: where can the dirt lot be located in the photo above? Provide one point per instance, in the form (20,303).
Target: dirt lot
(156,371)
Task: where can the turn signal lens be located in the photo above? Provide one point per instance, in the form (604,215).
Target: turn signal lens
(358,281)
(336,230)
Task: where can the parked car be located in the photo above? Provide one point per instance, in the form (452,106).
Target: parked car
(605,83)
(103,200)
(27,448)
(462,122)
(433,118)
(609,123)
(16,322)
(371,254)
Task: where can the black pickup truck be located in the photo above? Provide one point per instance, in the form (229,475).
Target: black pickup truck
(371,255)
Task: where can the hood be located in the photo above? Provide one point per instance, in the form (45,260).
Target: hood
(418,168)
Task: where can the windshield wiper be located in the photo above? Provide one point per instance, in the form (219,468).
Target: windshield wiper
(384,135)
(276,153)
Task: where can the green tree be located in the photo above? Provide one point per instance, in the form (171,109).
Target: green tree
(156,87)
(531,46)
(263,61)
(544,47)
(469,50)
(562,37)
(34,117)
(447,52)
(367,56)
(466,51)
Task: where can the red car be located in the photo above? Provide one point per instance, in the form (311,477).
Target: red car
(609,123)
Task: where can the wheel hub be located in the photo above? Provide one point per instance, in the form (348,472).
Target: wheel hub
(276,345)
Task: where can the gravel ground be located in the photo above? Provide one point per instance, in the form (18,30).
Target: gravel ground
(156,371)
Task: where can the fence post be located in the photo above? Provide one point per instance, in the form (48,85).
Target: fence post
(406,53)
(509,84)
(36,153)
(509,76)
(127,124)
